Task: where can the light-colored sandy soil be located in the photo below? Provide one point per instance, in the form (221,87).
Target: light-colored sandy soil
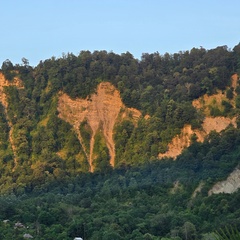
(230,185)
(197,190)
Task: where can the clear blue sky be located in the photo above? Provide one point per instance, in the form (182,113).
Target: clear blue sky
(40,29)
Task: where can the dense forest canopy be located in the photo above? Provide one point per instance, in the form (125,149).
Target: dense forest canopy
(44,169)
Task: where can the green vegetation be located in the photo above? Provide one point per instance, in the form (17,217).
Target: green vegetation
(141,202)
(44,178)
(228,233)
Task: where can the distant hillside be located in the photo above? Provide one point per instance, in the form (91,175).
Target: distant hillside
(105,146)
(100,110)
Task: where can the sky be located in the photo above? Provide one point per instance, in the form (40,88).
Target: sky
(40,29)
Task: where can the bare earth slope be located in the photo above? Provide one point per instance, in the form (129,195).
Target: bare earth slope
(183,140)
(205,101)
(3,100)
(230,185)
(5,83)
(100,111)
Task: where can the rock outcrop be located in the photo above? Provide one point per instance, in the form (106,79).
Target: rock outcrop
(100,111)
(3,100)
(230,185)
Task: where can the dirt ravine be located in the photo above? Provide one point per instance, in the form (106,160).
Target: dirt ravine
(101,112)
(3,100)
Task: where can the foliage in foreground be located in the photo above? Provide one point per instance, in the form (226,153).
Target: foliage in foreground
(228,233)
(151,201)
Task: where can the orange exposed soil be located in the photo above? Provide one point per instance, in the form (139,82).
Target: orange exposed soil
(205,102)
(5,83)
(217,124)
(183,140)
(234,81)
(3,100)
(180,142)
(214,100)
(100,111)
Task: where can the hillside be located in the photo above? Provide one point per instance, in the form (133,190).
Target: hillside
(151,139)
(218,124)
(101,111)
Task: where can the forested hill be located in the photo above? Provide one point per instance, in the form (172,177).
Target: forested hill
(106,146)
(100,110)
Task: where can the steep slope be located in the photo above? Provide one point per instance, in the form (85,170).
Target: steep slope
(3,100)
(205,102)
(235,81)
(5,83)
(183,140)
(230,185)
(100,112)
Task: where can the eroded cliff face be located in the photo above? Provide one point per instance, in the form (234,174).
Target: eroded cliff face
(230,185)
(5,83)
(180,142)
(3,99)
(100,111)
(183,140)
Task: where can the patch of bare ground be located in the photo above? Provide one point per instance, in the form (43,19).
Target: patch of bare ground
(101,112)
(230,185)
(3,99)
(235,81)
(183,140)
(197,190)
(176,187)
(206,101)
